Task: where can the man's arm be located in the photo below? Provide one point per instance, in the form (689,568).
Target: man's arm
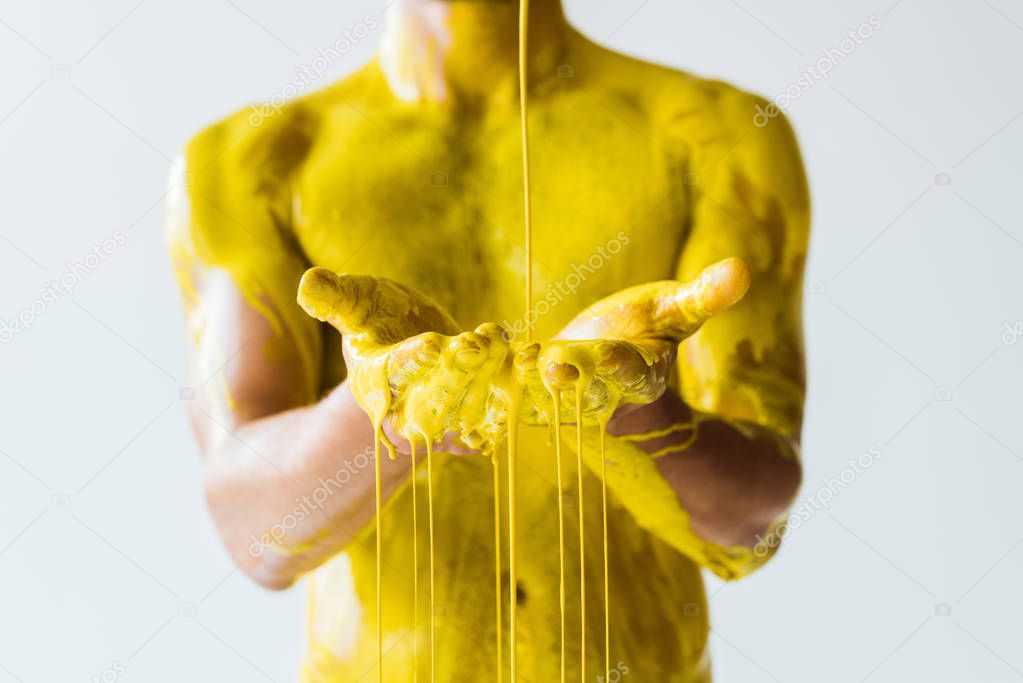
(744,369)
(274,457)
(733,480)
(288,487)
(742,373)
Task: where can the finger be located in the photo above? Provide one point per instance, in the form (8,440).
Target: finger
(468,351)
(526,359)
(331,298)
(494,332)
(562,375)
(563,364)
(616,361)
(378,310)
(628,366)
(643,376)
(412,357)
(667,310)
(454,444)
(682,309)
(400,443)
(631,372)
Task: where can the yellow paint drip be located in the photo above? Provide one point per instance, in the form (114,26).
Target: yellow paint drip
(433,560)
(415,567)
(658,433)
(377,437)
(524,118)
(513,398)
(556,398)
(495,461)
(579,387)
(607,573)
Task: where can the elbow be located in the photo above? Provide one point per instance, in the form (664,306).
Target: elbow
(787,480)
(753,508)
(265,563)
(271,573)
(255,553)
(775,499)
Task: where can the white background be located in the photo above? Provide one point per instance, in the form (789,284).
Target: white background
(911,573)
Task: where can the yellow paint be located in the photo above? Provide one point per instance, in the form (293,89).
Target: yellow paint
(415,567)
(679,448)
(607,575)
(433,565)
(377,437)
(512,401)
(527,194)
(579,388)
(431,384)
(341,179)
(658,433)
(499,624)
(527,215)
(562,597)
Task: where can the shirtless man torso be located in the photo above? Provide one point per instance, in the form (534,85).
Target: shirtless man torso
(410,169)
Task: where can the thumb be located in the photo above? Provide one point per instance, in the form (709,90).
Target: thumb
(683,308)
(668,309)
(373,309)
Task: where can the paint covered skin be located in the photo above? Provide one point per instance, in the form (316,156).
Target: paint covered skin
(663,171)
(477,385)
(405,364)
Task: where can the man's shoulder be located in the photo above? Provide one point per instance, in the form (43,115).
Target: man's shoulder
(675,96)
(273,135)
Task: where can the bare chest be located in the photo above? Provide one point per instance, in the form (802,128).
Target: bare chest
(437,203)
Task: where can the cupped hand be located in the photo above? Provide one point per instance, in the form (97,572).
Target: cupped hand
(620,352)
(418,377)
(410,368)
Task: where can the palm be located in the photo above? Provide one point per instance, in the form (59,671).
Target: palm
(407,362)
(622,348)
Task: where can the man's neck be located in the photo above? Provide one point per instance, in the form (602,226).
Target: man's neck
(466,50)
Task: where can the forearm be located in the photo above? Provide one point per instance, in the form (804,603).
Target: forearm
(289,491)
(732,483)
